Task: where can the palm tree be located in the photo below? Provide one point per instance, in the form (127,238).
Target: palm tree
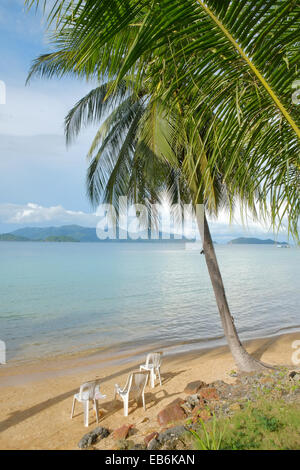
(143,152)
(190,61)
(237,59)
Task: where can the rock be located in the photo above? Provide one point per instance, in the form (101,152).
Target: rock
(138,447)
(294,375)
(151,436)
(224,390)
(124,444)
(90,438)
(197,410)
(201,413)
(171,434)
(153,444)
(249,378)
(122,432)
(171,413)
(174,445)
(193,400)
(238,392)
(193,387)
(187,408)
(209,393)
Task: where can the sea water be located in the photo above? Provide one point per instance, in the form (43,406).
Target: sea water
(58,298)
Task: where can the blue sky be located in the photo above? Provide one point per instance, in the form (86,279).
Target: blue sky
(43,183)
(35,165)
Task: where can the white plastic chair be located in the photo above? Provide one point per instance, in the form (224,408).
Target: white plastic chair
(134,388)
(153,363)
(88,391)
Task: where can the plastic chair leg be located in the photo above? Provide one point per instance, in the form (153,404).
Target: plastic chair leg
(152,378)
(73,407)
(144,404)
(86,413)
(126,406)
(158,371)
(96,410)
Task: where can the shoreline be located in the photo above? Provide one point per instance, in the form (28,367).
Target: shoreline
(36,399)
(124,350)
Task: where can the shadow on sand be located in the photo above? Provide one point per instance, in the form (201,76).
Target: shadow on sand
(110,407)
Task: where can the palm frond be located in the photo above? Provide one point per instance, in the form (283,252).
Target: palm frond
(233,60)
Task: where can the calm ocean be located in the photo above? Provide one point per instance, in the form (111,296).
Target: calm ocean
(66,297)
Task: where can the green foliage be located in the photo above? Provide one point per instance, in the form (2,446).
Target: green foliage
(10,237)
(61,238)
(236,60)
(263,425)
(208,438)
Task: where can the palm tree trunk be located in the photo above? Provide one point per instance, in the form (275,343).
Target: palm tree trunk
(244,361)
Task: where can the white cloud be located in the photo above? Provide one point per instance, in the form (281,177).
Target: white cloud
(35,214)
(225,224)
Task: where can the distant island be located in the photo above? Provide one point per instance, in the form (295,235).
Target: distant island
(10,237)
(254,241)
(76,233)
(61,238)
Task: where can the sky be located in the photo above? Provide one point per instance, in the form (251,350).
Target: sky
(43,182)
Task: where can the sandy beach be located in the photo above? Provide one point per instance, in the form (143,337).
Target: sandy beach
(36,398)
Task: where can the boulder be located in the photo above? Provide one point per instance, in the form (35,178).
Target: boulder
(197,410)
(171,413)
(187,408)
(138,447)
(205,415)
(125,444)
(294,375)
(224,389)
(193,387)
(122,432)
(171,434)
(209,393)
(91,437)
(171,439)
(151,436)
(153,444)
(193,400)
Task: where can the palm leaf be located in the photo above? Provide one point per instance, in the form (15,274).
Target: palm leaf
(237,60)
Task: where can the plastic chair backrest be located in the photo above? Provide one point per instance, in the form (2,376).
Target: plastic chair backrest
(137,383)
(91,387)
(154,358)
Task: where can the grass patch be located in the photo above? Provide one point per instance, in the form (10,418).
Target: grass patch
(263,425)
